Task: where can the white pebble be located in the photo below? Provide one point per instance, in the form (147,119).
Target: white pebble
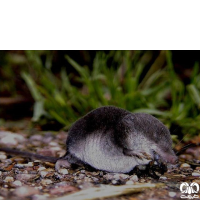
(129,183)
(134,178)
(41,168)
(63,171)
(53,144)
(30,164)
(43,173)
(114,182)
(46,181)
(3,157)
(17,183)
(185,165)
(195,174)
(172,194)
(163,178)
(9,179)
(0,173)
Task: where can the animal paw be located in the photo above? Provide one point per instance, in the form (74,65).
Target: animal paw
(61,163)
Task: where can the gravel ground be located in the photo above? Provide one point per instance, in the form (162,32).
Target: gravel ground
(22,178)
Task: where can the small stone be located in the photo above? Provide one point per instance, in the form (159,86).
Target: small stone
(25,177)
(129,182)
(120,176)
(134,178)
(63,171)
(53,144)
(24,191)
(163,178)
(43,173)
(109,176)
(19,166)
(9,179)
(195,174)
(0,173)
(46,182)
(81,176)
(114,182)
(95,179)
(41,168)
(3,157)
(30,164)
(185,165)
(172,194)
(17,183)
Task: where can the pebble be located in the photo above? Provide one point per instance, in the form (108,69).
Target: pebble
(185,165)
(17,183)
(3,157)
(0,173)
(43,173)
(129,182)
(25,177)
(108,176)
(41,168)
(163,178)
(24,191)
(81,176)
(195,174)
(120,176)
(134,178)
(19,166)
(53,144)
(114,182)
(30,164)
(46,182)
(172,194)
(8,179)
(63,171)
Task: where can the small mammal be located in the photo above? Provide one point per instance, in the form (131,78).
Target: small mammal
(114,140)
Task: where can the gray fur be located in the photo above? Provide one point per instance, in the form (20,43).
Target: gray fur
(115,140)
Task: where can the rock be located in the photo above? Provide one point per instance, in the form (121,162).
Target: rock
(25,191)
(46,182)
(9,138)
(8,179)
(185,165)
(63,171)
(134,178)
(17,183)
(108,176)
(41,168)
(129,182)
(25,177)
(3,157)
(195,174)
(172,194)
(163,178)
(120,176)
(43,173)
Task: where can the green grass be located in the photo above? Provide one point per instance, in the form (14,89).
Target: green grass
(120,78)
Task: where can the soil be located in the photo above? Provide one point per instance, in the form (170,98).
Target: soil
(22,178)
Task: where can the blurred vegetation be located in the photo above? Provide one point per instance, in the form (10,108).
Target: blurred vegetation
(127,79)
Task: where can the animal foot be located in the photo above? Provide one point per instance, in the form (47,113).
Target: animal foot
(61,163)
